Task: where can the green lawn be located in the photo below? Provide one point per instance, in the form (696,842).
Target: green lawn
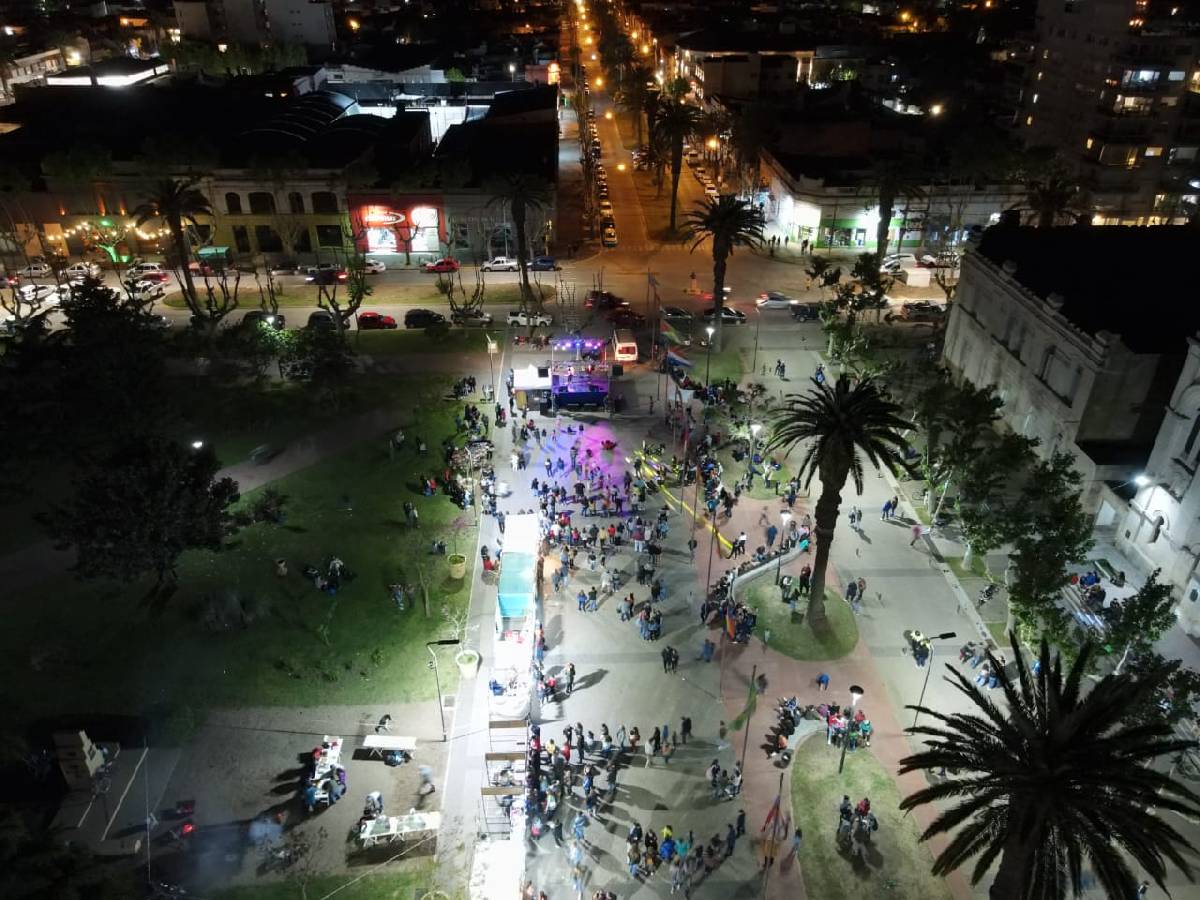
(384,294)
(797,638)
(978,567)
(96,646)
(409,884)
(895,864)
(723,364)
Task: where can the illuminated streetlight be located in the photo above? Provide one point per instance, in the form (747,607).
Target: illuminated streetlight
(708,363)
(855,695)
(599,82)
(712,143)
(1141,479)
(196,445)
(936,109)
(620,167)
(608,114)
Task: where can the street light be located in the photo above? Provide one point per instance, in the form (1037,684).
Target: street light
(783,516)
(755,428)
(944,636)
(196,445)
(608,114)
(855,695)
(1141,479)
(433,664)
(512,71)
(708,363)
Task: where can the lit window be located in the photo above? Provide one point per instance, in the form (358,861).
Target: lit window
(1039,75)
(1175,75)
(1035,96)
(1089,143)
(1029,120)
(1154,151)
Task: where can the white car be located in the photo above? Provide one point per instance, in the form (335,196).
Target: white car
(80,270)
(606,208)
(528,319)
(146,290)
(710,191)
(374,266)
(36,270)
(500,264)
(774,300)
(894,262)
(41,294)
(144,267)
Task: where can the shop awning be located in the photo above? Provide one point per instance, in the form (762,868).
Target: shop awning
(515,596)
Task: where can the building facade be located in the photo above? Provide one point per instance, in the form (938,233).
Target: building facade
(307,22)
(1117,93)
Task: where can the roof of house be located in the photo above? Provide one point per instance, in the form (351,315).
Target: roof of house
(537,98)
(496,149)
(1105,277)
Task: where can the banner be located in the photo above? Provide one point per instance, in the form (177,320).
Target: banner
(743,718)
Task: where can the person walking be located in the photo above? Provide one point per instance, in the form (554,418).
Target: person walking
(570,678)
(730,841)
(426,773)
(797,838)
(685,728)
(741,822)
(667,749)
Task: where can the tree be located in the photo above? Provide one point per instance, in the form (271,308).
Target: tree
(177,203)
(358,289)
(966,416)
(755,127)
(894,179)
(38,864)
(1051,778)
(521,193)
(1052,193)
(1174,698)
(632,98)
(728,223)
(985,505)
(1140,620)
(675,123)
(822,274)
(841,421)
(137,509)
(1052,533)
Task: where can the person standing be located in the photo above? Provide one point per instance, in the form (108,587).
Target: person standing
(741,822)
(570,678)
(685,729)
(730,841)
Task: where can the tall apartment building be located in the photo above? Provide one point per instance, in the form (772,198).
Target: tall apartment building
(307,22)
(1115,86)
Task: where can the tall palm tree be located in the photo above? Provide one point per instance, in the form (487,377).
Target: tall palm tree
(176,202)
(728,222)
(520,193)
(754,128)
(1051,196)
(675,122)
(894,179)
(632,97)
(1053,776)
(843,422)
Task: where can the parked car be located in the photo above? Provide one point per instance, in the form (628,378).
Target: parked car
(81,270)
(326,276)
(471,319)
(774,300)
(806,312)
(146,290)
(39,293)
(423,318)
(602,192)
(36,270)
(156,277)
(606,208)
(374,266)
(445,264)
(500,264)
(675,314)
(711,191)
(322,318)
(894,262)
(373,321)
(544,264)
(626,318)
(527,319)
(256,317)
(922,312)
(595,299)
(947,260)
(609,236)
(143,267)
(9,281)
(729,315)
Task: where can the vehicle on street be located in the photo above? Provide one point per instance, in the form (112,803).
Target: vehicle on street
(374,267)
(729,315)
(894,262)
(626,318)
(710,191)
(595,299)
(38,293)
(675,314)
(422,318)
(774,300)
(471,319)
(158,321)
(326,276)
(922,312)
(146,290)
(143,268)
(445,264)
(373,321)
(528,319)
(156,277)
(9,281)
(606,208)
(544,264)
(81,270)
(322,318)
(609,236)
(256,317)
(602,192)
(625,348)
(806,312)
(947,260)
(36,270)
(500,264)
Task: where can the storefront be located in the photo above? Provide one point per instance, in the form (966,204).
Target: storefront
(384,225)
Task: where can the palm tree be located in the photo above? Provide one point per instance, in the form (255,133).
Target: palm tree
(1052,777)
(728,222)
(894,178)
(632,98)
(842,420)
(521,193)
(675,122)
(176,202)
(754,128)
(1052,195)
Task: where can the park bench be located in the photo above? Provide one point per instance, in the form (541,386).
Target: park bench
(263,454)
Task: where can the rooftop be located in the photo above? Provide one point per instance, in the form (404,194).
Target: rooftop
(1103,278)
(726,40)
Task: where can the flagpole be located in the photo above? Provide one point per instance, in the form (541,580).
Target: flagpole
(746,724)
(774,832)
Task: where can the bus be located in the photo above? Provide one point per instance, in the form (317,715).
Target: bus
(625,347)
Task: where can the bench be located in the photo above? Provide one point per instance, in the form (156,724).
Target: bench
(378,744)
(263,453)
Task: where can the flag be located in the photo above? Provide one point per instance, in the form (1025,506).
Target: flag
(678,360)
(670,333)
(743,718)
(651,280)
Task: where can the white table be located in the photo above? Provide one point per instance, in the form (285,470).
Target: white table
(386,829)
(378,744)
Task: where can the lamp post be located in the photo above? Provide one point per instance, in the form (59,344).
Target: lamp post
(783,516)
(708,362)
(944,636)
(433,664)
(855,695)
(512,71)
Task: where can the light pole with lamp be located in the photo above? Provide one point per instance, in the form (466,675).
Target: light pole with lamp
(783,516)
(433,664)
(755,428)
(944,636)
(855,695)
(709,330)
(512,71)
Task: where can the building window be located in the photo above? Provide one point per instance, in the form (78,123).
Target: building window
(302,242)
(241,238)
(296,203)
(268,239)
(1191,441)
(1175,75)
(324,202)
(233,203)
(1153,151)
(329,235)
(262,203)
(1029,120)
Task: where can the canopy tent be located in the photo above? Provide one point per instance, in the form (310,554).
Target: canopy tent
(515,596)
(528,379)
(521,534)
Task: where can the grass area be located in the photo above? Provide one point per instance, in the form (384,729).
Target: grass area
(999,635)
(403,342)
(385,294)
(797,639)
(404,885)
(235,634)
(895,865)
(723,364)
(978,567)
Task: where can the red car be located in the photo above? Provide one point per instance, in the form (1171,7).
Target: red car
(155,277)
(446,264)
(373,321)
